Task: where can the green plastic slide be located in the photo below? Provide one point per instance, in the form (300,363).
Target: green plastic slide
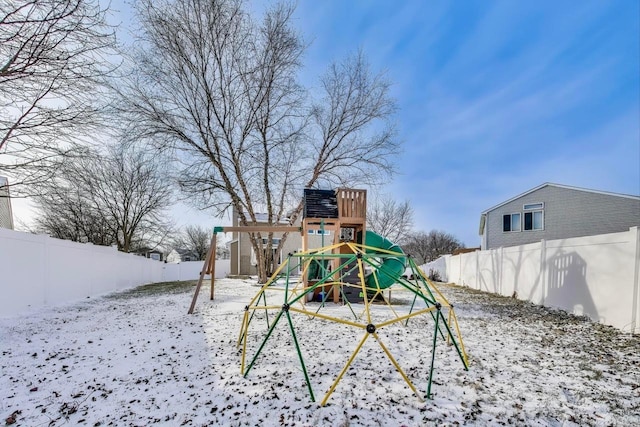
(392,267)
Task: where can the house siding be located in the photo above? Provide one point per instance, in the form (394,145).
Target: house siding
(567,213)
(240,246)
(6,216)
(292,244)
(5,213)
(233,249)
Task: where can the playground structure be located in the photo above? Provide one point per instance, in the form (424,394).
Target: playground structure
(354,271)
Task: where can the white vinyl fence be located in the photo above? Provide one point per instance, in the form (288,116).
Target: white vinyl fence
(37,270)
(595,276)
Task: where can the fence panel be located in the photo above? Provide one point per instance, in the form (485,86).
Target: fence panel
(522,272)
(37,270)
(596,276)
(22,274)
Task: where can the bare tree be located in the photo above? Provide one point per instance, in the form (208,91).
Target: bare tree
(196,239)
(353,100)
(66,213)
(53,57)
(116,197)
(426,247)
(222,251)
(219,89)
(390,218)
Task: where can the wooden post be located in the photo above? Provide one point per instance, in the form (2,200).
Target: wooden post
(205,268)
(212,263)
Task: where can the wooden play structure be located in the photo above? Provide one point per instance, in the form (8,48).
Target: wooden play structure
(354,270)
(343,212)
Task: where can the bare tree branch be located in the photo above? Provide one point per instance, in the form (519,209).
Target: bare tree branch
(194,238)
(54,57)
(116,197)
(219,90)
(426,247)
(389,218)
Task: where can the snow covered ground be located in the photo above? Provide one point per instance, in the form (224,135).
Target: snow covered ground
(136,358)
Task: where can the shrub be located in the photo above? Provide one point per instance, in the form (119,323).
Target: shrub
(434,275)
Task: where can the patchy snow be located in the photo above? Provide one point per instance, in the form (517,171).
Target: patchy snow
(136,358)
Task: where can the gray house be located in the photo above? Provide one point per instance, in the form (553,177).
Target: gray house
(6,215)
(554,211)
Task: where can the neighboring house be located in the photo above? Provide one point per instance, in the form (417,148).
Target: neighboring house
(182,255)
(243,259)
(150,253)
(6,215)
(554,211)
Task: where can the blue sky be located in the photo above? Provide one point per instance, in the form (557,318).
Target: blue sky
(495,97)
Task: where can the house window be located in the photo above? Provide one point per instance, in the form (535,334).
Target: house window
(320,232)
(532,206)
(277,257)
(511,222)
(275,242)
(533,216)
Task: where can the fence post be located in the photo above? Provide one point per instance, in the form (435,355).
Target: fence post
(478,270)
(635,318)
(501,268)
(543,271)
(46,273)
(447,268)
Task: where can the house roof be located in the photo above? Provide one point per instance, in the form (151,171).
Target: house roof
(147,250)
(264,218)
(185,252)
(568,187)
